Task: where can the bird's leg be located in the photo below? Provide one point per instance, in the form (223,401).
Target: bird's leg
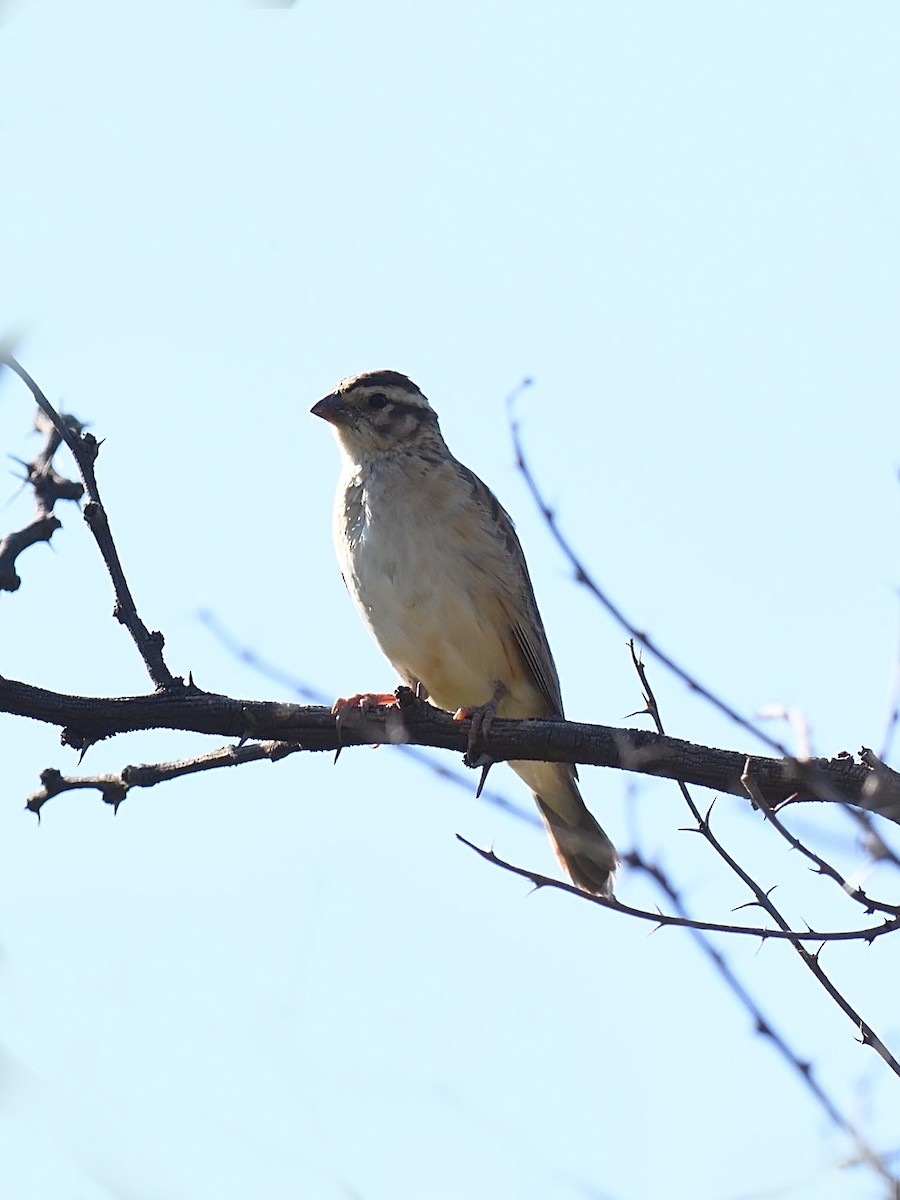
(482,718)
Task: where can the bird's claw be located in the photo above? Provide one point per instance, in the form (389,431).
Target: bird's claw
(365,702)
(482,718)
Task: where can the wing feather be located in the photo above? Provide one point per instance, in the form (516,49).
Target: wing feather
(518,598)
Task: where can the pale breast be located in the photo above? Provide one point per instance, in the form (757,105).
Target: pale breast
(430,580)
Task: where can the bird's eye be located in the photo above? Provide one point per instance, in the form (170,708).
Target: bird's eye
(377,400)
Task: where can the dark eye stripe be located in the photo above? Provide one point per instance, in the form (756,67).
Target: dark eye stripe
(408,408)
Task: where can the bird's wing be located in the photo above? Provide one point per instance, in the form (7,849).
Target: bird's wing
(532,641)
(516,595)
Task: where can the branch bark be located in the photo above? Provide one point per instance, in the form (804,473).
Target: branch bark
(114,788)
(85,720)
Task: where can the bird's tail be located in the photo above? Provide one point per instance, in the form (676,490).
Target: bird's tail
(584,851)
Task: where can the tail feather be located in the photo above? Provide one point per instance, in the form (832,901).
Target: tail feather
(584,851)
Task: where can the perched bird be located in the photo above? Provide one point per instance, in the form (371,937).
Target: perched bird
(436,570)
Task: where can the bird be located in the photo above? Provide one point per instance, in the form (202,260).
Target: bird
(435,568)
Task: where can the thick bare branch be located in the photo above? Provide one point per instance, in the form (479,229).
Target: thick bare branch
(86,719)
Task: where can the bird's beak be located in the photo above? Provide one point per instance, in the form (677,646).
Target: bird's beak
(331,408)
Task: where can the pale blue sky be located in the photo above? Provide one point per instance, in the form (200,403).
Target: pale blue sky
(683,222)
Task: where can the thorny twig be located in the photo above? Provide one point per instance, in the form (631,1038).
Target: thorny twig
(115,787)
(821,787)
(758,932)
(764,1026)
(85,447)
(867,1035)
(821,865)
(48,487)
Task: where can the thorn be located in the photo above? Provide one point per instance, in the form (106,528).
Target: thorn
(485,767)
(647,711)
(339,747)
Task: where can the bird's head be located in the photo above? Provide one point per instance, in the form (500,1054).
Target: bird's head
(377,411)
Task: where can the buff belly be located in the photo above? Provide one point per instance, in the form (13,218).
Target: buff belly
(432,630)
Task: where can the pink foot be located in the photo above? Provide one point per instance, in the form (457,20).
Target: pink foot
(365,701)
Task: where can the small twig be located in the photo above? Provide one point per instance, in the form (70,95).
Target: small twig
(758,932)
(867,1035)
(764,900)
(764,1027)
(114,788)
(49,487)
(85,447)
(584,578)
(822,866)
